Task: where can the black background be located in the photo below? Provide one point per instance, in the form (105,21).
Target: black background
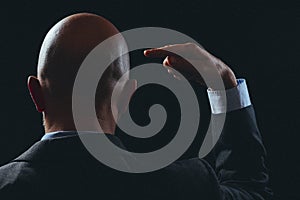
(259,40)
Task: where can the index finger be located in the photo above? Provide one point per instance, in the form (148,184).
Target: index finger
(170,50)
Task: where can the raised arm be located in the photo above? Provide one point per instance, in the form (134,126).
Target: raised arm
(239,155)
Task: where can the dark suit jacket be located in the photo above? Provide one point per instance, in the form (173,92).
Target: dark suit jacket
(63,169)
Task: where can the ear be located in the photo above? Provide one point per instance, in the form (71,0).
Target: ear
(127,92)
(36,93)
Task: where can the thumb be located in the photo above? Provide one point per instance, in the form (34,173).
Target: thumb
(167,62)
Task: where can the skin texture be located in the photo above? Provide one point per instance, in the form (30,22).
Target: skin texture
(198,55)
(62,52)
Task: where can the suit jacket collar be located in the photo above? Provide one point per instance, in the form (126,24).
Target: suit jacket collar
(60,149)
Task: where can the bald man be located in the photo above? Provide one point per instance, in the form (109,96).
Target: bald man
(59,166)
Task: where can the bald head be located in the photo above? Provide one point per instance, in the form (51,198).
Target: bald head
(72,38)
(64,49)
(67,44)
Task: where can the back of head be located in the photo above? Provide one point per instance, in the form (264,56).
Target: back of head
(64,49)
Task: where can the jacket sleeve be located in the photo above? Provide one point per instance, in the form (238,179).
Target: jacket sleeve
(239,158)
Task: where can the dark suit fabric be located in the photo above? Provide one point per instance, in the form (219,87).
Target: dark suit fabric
(62,168)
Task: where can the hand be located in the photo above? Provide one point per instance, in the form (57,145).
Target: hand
(200,58)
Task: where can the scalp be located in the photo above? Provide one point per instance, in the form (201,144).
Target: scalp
(65,47)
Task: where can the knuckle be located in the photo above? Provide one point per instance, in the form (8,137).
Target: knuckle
(191,45)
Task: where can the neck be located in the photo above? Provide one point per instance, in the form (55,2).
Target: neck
(67,124)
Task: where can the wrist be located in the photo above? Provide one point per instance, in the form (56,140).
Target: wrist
(229,79)
(227,75)
(229,82)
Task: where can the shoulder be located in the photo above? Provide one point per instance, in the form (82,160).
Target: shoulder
(14,171)
(190,169)
(187,179)
(15,176)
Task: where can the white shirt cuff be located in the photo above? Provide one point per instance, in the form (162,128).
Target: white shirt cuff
(237,98)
